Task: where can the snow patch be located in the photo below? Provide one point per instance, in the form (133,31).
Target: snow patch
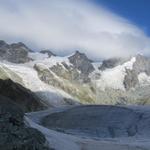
(129,64)
(37,56)
(114,77)
(144,79)
(48,61)
(96,65)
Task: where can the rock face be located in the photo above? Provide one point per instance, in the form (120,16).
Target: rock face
(142,64)
(15,53)
(78,78)
(110,63)
(14,135)
(81,62)
(47,52)
(131,79)
(113,81)
(63,80)
(20,95)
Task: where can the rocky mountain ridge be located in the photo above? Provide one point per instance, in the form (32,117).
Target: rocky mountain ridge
(15,53)
(40,80)
(112,81)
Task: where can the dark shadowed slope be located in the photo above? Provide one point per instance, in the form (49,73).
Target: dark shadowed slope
(14,134)
(27,100)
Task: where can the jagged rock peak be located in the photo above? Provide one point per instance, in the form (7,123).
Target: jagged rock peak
(80,55)
(20,45)
(14,45)
(15,52)
(48,52)
(81,62)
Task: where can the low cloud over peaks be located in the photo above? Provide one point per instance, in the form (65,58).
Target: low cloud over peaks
(67,25)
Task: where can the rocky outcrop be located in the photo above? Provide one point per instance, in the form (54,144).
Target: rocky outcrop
(142,64)
(48,52)
(110,63)
(82,63)
(14,135)
(3,48)
(27,100)
(82,92)
(15,53)
(131,79)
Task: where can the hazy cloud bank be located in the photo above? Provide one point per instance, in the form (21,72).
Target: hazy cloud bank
(67,25)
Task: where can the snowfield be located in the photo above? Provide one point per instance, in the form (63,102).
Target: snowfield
(49,62)
(144,79)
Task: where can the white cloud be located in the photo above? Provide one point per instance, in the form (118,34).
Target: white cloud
(67,25)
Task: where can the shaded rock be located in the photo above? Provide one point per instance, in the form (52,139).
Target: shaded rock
(20,95)
(3,49)
(110,63)
(15,53)
(49,53)
(14,135)
(131,79)
(81,62)
(142,64)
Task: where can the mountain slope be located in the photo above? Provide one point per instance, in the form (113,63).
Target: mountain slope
(122,84)
(28,78)
(57,80)
(26,99)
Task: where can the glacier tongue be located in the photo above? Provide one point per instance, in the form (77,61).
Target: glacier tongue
(62,141)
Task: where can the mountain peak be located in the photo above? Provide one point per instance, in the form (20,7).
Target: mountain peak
(79,55)
(20,45)
(15,52)
(81,62)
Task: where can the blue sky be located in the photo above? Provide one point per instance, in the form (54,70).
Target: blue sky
(137,11)
(99,28)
